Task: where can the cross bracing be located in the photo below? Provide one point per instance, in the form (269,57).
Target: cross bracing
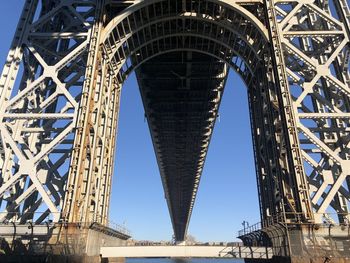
(61,85)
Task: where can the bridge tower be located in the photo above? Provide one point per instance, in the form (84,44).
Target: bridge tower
(60,94)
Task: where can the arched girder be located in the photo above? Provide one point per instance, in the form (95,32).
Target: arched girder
(241,47)
(123,68)
(117,34)
(115,40)
(244,75)
(119,53)
(229,4)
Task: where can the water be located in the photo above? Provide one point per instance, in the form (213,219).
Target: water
(191,260)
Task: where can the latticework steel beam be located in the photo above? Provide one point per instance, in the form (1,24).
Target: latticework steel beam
(41,87)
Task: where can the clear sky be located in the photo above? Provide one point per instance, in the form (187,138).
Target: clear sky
(227,192)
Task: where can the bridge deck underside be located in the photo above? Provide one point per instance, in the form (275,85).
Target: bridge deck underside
(181,92)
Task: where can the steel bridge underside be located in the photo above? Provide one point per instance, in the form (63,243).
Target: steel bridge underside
(181,93)
(60,97)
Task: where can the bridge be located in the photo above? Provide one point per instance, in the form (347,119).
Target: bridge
(187,252)
(59,105)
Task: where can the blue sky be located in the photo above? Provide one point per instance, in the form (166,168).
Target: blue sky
(227,193)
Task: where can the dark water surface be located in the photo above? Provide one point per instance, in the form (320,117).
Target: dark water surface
(191,260)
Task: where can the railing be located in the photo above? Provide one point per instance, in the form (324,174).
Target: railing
(293,219)
(250,229)
(32,218)
(247,252)
(119,228)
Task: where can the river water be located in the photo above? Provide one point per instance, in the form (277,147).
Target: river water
(192,260)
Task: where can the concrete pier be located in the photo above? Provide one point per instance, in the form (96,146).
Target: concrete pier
(60,242)
(293,243)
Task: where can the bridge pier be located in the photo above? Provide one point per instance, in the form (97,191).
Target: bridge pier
(59,242)
(302,243)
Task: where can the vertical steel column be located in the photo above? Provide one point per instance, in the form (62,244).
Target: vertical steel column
(269,147)
(89,181)
(295,163)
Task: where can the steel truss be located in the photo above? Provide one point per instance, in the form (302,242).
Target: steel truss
(61,85)
(41,88)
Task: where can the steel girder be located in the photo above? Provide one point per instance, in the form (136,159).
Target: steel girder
(293,56)
(181,113)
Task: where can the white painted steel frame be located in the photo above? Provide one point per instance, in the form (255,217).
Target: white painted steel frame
(40,90)
(310,35)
